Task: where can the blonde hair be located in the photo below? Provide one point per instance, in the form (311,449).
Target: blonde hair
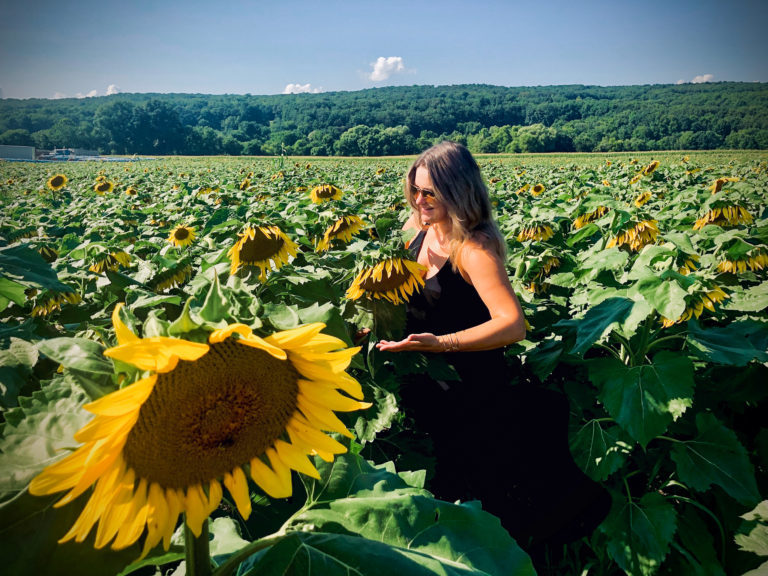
(459,187)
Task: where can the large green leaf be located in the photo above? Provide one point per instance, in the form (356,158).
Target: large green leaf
(715,456)
(640,532)
(77,353)
(30,528)
(644,399)
(23,266)
(754,299)
(598,322)
(736,344)
(600,451)
(39,432)
(665,296)
(752,535)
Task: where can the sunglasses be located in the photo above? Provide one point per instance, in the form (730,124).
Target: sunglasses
(426,193)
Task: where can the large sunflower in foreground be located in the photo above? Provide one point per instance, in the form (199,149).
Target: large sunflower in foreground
(206,415)
(181,235)
(343,229)
(394,279)
(261,246)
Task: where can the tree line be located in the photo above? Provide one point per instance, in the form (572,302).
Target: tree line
(400,120)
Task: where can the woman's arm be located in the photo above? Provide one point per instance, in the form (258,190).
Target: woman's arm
(486,273)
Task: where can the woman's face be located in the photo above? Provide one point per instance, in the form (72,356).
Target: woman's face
(431,210)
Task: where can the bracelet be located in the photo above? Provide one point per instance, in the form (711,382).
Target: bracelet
(449,342)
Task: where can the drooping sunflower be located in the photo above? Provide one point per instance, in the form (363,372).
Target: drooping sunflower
(724,215)
(206,415)
(325,193)
(588,217)
(53,301)
(695,305)
(171,277)
(57,182)
(755,260)
(343,230)
(181,235)
(110,261)
(642,198)
(636,178)
(651,168)
(262,246)
(49,253)
(636,235)
(537,283)
(718,184)
(393,279)
(523,189)
(103,187)
(689,264)
(537,232)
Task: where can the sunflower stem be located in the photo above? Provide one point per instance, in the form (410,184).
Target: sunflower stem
(197,551)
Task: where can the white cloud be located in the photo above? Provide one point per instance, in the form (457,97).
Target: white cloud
(59,95)
(383,68)
(700,79)
(113,89)
(301,89)
(703,78)
(90,94)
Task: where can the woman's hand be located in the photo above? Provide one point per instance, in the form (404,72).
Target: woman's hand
(425,342)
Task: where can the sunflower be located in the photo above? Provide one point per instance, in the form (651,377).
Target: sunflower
(182,235)
(537,283)
(636,236)
(245,184)
(651,168)
(57,182)
(324,193)
(53,301)
(724,215)
(538,189)
(690,264)
(343,229)
(755,260)
(171,278)
(642,198)
(49,253)
(696,304)
(104,187)
(393,279)
(636,178)
(110,261)
(718,184)
(541,232)
(588,217)
(606,182)
(206,415)
(131,191)
(522,189)
(261,246)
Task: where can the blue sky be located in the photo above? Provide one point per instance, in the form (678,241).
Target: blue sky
(79,48)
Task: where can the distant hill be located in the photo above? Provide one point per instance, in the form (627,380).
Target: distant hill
(401,120)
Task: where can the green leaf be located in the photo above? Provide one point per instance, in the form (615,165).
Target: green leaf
(639,533)
(599,451)
(40,432)
(752,535)
(665,296)
(282,316)
(354,497)
(77,353)
(754,299)
(736,344)
(715,456)
(699,546)
(644,399)
(184,323)
(226,538)
(22,265)
(377,418)
(216,305)
(598,322)
(11,291)
(30,528)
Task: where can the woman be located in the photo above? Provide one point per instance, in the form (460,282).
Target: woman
(492,441)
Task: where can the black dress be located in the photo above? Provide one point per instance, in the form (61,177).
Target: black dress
(503,444)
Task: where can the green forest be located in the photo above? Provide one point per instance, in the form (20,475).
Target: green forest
(400,120)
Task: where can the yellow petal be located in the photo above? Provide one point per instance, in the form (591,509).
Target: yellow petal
(123,333)
(124,400)
(130,531)
(296,337)
(160,354)
(294,458)
(237,484)
(275,482)
(195,509)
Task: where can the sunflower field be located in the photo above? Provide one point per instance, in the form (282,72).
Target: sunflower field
(140,301)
